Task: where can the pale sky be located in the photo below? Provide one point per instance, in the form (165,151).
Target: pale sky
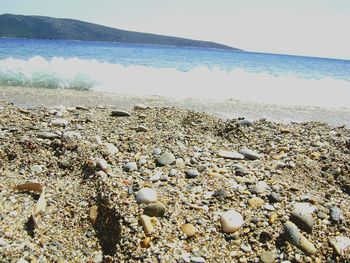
(301,27)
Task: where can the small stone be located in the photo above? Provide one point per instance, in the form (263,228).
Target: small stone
(130,166)
(22,260)
(48,135)
(231,155)
(155,209)
(140,107)
(192,173)
(59,122)
(146,195)
(147,224)
(120,113)
(267,257)
(141,128)
(93,213)
(305,207)
(274,197)
(157,151)
(341,245)
(111,149)
(36,168)
(250,154)
(260,187)
(231,221)
(302,219)
(294,236)
(189,230)
(322,215)
(173,172)
(156,176)
(246,248)
(273,218)
(97,140)
(73,135)
(164,177)
(256,202)
(146,242)
(197,260)
(335,214)
(245,123)
(102,164)
(269,207)
(166,158)
(240,170)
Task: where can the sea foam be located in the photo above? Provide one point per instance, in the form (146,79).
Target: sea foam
(200,82)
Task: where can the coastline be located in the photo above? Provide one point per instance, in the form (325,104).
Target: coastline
(226,109)
(90,164)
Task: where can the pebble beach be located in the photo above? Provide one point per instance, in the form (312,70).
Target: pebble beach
(153,183)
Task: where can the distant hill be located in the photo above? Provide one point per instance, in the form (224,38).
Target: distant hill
(42,27)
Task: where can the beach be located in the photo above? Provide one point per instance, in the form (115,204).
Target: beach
(120,178)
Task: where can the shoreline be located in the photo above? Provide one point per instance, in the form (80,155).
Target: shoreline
(226,109)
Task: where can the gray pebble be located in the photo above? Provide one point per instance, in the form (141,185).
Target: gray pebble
(131,166)
(166,158)
(120,113)
(154,209)
(250,154)
(274,197)
(192,173)
(245,123)
(173,172)
(336,214)
(294,236)
(303,220)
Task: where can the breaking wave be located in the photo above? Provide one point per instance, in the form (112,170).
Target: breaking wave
(201,82)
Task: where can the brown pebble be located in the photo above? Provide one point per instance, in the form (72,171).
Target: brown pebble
(146,242)
(189,230)
(255,202)
(93,213)
(273,218)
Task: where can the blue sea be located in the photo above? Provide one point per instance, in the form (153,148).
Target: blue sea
(175,72)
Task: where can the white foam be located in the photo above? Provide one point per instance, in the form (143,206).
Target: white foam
(200,82)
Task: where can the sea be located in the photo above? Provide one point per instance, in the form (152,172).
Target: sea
(176,72)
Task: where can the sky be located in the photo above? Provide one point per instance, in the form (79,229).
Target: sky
(298,27)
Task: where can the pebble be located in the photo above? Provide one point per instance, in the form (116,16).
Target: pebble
(22,260)
(103,165)
(303,220)
(155,209)
(120,113)
(341,245)
(231,221)
(157,151)
(156,176)
(73,135)
(189,230)
(267,257)
(198,259)
(36,168)
(269,207)
(48,135)
(141,128)
(140,107)
(250,154)
(147,224)
(192,173)
(166,158)
(231,155)
(146,195)
(322,215)
(274,197)
(294,236)
(240,170)
(245,123)
(273,217)
(130,166)
(59,122)
(111,149)
(255,202)
(164,177)
(172,172)
(305,207)
(335,214)
(260,187)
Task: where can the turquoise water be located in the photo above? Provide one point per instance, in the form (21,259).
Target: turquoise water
(175,72)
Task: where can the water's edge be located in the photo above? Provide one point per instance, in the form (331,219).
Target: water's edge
(41,97)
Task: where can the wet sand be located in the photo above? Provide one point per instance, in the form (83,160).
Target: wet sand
(36,97)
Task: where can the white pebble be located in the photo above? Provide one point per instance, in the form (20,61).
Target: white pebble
(231,221)
(146,195)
